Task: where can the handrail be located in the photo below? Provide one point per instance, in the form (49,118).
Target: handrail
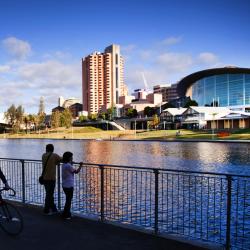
(143,168)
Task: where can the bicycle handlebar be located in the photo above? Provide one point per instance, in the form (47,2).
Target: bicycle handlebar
(8,189)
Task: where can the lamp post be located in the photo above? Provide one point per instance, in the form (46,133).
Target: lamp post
(213,114)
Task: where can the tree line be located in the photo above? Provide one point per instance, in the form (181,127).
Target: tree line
(16,117)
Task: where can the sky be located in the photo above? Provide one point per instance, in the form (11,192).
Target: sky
(42,43)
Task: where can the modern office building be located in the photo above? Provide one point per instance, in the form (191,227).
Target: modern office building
(222,87)
(102,79)
(168,91)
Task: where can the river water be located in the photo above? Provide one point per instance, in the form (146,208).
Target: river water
(190,205)
(197,156)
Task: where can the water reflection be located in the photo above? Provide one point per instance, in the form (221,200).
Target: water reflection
(201,156)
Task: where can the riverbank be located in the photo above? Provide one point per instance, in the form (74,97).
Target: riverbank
(155,135)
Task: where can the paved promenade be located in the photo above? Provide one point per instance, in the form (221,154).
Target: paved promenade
(51,232)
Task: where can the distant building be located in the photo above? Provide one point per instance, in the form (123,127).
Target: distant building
(218,87)
(75,109)
(61,101)
(140,94)
(102,80)
(58,108)
(219,118)
(66,103)
(168,91)
(152,100)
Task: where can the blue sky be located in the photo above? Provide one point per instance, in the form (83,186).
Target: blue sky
(42,42)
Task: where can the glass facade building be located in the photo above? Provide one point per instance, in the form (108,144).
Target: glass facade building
(222,90)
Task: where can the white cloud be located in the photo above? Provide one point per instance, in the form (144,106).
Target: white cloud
(208,58)
(27,82)
(171,40)
(4,68)
(59,55)
(51,74)
(175,61)
(127,48)
(18,48)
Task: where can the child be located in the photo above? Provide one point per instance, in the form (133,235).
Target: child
(68,182)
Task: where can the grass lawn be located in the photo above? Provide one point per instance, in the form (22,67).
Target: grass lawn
(95,133)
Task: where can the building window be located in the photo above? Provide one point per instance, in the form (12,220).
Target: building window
(116,59)
(116,76)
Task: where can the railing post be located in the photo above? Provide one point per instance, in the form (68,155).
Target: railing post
(156,173)
(102,192)
(229,199)
(58,187)
(23,181)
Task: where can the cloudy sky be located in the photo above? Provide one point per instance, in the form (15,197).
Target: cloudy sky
(42,42)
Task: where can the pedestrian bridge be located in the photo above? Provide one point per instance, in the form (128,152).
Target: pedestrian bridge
(51,232)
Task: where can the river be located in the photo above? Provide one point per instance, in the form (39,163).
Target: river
(198,156)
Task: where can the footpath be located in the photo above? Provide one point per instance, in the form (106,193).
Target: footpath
(51,233)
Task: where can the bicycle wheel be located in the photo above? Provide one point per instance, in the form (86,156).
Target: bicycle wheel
(11,221)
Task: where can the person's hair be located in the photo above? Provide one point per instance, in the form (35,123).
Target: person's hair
(50,148)
(67,157)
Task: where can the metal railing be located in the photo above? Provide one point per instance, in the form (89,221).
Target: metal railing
(206,206)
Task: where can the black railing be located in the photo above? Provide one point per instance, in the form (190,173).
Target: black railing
(206,206)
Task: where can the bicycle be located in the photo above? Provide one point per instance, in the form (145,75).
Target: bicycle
(11,220)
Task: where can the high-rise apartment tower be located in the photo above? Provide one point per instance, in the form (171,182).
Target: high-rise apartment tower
(102,79)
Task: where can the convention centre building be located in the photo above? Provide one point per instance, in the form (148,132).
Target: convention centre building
(221,87)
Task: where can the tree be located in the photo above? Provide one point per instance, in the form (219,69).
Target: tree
(131,113)
(190,103)
(10,115)
(102,115)
(83,118)
(41,119)
(55,119)
(155,121)
(149,111)
(66,118)
(15,116)
(92,117)
(111,112)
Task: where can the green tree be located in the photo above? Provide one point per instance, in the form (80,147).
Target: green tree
(10,115)
(55,119)
(41,119)
(83,118)
(66,118)
(102,115)
(111,112)
(92,117)
(149,111)
(131,113)
(15,116)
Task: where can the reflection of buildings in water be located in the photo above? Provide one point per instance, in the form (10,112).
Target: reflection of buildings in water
(98,152)
(207,154)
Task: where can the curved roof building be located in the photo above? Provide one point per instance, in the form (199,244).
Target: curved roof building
(229,86)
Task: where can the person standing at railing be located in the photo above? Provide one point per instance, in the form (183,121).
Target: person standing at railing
(68,173)
(50,161)
(4,180)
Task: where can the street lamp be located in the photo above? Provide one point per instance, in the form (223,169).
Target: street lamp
(212,125)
